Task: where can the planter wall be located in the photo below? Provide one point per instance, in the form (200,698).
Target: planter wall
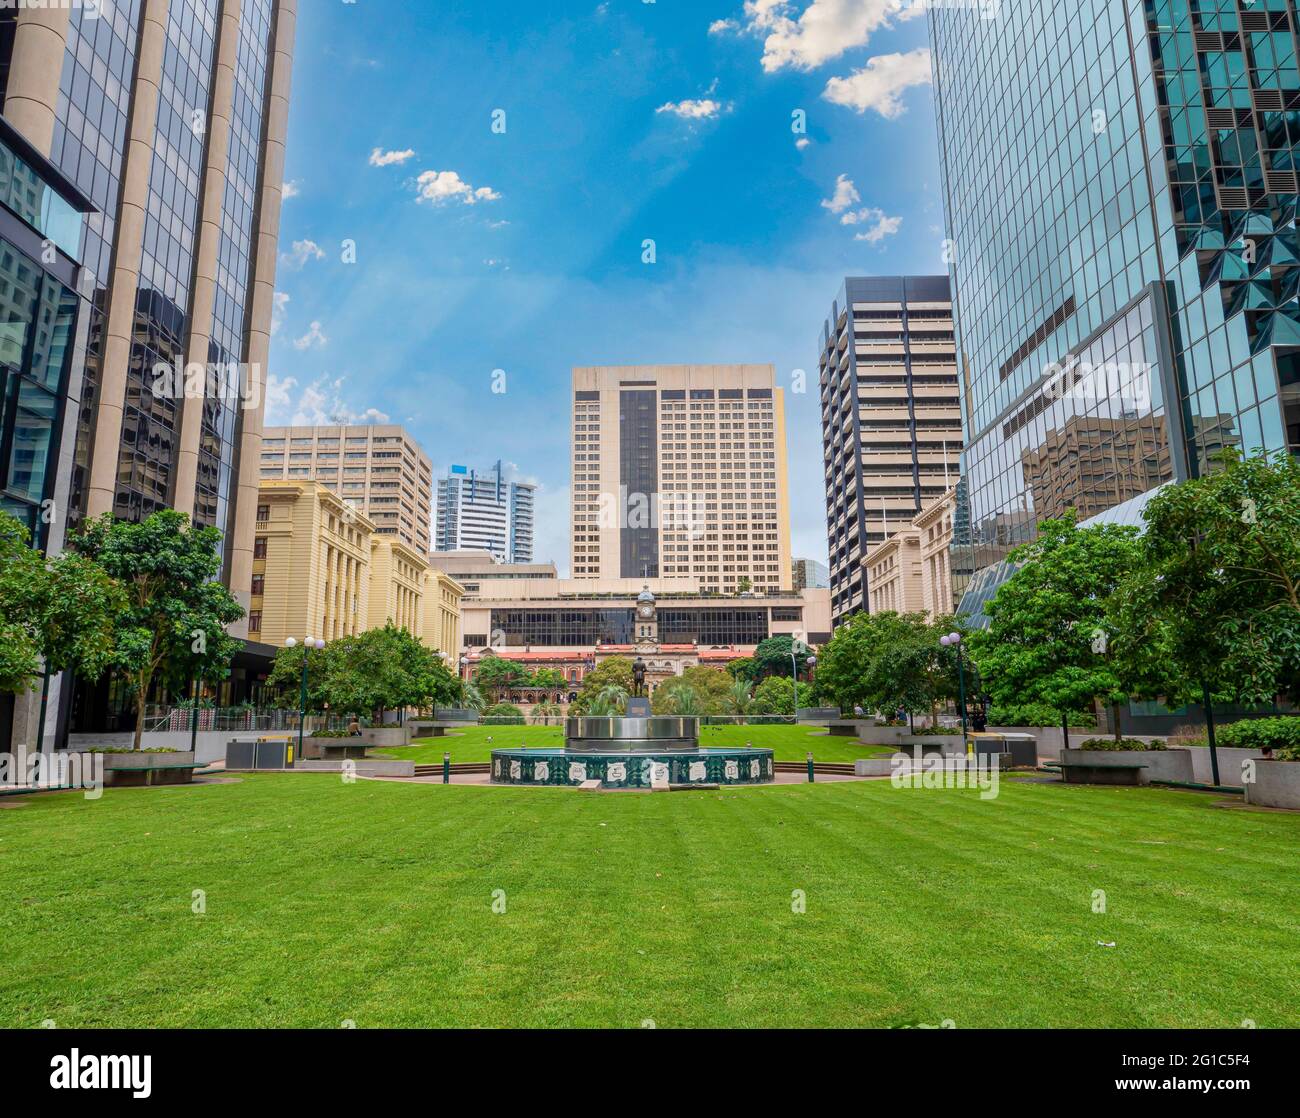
(385,737)
(367,767)
(1161,764)
(1229,764)
(1276,784)
(1049,737)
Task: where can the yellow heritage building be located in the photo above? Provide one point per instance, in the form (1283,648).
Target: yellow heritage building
(320,569)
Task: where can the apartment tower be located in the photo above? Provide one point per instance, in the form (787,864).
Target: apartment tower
(485,510)
(379,470)
(891,422)
(680,471)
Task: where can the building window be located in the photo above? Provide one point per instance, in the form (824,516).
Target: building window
(259,585)
(259,545)
(263,512)
(255,621)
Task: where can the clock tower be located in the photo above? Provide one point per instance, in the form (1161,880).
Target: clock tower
(646,621)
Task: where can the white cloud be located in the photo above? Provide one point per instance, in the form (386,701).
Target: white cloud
(381,158)
(301,252)
(722,26)
(290,189)
(314,338)
(320,403)
(879,84)
(880,225)
(438,187)
(279,307)
(845,195)
(803,143)
(704,109)
(823,31)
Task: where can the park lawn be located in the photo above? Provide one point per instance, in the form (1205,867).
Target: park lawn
(789,743)
(372,903)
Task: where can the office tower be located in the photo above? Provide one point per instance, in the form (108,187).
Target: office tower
(809,574)
(891,424)
(485,510)
(378,469)
(141,164)
(680,471)
(1124,252)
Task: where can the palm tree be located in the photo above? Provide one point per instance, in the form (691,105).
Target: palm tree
(686,700)
(543,711)
(739,697)
(610,700)
(471,696)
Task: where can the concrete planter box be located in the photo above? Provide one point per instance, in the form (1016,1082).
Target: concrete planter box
(124,770)
(1277,784)
(884,766)
(423,728)
(817,714)
(871,734)
(1161,764)
(315,749)
(1230,760)
(933,743)
(385,737)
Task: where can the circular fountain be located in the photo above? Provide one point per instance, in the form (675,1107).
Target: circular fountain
(633,750)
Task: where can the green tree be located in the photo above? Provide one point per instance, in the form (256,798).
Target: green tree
(772,656)
(499,676)
(744,669)
(285,680)
(382,670)
(470,697)
(678,697)
(55,614)
(713,689)
(776,695)
(1049,637)
(1219,590)
(173,627)
(549,679)
(744,584)
(739,698)
(615,671)
(845,664)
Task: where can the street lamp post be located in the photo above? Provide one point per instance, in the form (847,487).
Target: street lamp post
(953,640)
(307,646)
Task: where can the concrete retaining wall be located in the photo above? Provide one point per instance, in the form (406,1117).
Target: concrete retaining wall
(211,744)
(1229,764)
(1049,738)
(362,768)
(1277,784)
(1161,764)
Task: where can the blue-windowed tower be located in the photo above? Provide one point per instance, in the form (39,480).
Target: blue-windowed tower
(1120,182)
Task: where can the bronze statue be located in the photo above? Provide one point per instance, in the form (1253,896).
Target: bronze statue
(638,679)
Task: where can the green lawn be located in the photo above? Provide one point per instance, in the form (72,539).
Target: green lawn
(791,743)
(372,903)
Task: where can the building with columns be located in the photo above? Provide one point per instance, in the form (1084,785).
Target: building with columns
(144,140)
(323,569)
(918,570)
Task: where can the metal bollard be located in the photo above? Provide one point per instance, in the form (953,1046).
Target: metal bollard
(446,768)
(812,775)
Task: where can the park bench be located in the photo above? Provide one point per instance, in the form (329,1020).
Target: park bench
(1116,772)
(146,776)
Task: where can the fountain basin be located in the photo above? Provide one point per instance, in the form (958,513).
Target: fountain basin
(631,768)
(628,734)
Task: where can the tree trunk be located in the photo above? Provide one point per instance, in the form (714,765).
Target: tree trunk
(139,719)
(1065,729)
(1114,714)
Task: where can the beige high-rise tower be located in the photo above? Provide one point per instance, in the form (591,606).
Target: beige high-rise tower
(680,471)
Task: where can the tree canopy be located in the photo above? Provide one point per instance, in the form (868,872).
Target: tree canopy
(173,625)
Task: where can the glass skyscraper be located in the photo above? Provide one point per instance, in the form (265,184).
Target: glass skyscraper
(1121,194)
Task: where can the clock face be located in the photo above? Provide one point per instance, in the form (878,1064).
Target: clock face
(646,610)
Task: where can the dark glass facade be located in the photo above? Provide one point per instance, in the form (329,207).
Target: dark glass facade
(151,421)
(639,478)
(563,627)
(1121,223)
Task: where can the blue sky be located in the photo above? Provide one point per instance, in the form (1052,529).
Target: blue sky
(478,249)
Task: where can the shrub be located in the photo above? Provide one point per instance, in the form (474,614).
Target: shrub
(1281,734)
(504,714)
(1125,745)
(1036,714)
(127,749)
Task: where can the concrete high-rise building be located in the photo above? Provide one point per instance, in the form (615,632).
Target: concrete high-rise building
(891,423)
(485,510)
(1120,186)
(378,469)
(809,574)
(680,470)
(141,166)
